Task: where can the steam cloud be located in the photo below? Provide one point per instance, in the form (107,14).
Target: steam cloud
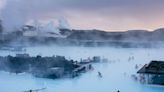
(16,13)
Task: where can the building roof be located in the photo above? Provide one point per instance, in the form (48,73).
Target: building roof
(154,67)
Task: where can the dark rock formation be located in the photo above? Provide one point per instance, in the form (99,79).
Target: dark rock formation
(45,67)
(131,38)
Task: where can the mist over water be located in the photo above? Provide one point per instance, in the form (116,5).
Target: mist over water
(116,74)
(39,27)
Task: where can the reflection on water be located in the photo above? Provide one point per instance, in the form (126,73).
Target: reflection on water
(116,74)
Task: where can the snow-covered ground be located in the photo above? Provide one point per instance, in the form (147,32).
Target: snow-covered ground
(116,74)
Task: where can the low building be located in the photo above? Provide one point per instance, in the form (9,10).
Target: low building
(153,72)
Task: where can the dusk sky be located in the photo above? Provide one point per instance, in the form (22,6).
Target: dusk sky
(109,15)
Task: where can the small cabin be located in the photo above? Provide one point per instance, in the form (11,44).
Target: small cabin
(153,72)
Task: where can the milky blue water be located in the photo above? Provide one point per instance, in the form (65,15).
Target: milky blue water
(116,74)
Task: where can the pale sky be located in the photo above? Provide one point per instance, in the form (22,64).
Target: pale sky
(108,15)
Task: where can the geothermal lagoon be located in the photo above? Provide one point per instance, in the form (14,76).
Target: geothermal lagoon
(116,73)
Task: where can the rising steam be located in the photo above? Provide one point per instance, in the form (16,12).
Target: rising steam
(16,13)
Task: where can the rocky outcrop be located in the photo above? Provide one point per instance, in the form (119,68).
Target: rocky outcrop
(45,67)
